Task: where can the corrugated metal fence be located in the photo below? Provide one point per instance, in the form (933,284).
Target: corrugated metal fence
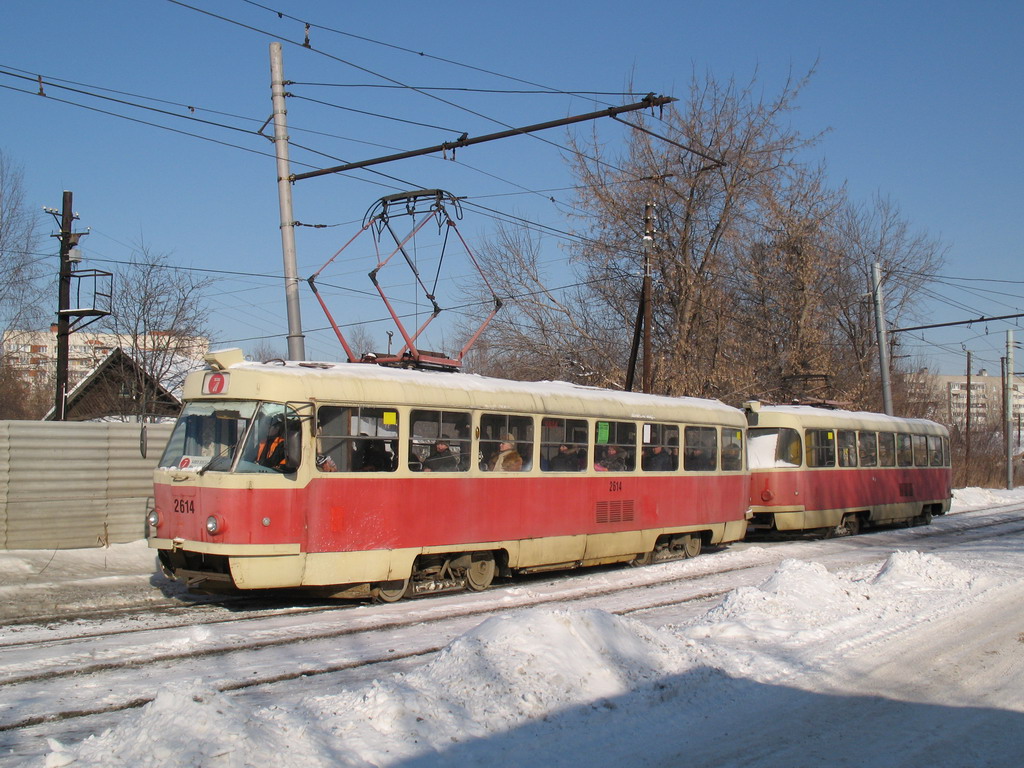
(70,485)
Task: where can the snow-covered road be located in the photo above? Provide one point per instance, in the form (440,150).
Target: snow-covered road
(903,647)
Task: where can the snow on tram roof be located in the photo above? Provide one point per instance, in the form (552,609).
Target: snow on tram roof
(314,373)
(836,416)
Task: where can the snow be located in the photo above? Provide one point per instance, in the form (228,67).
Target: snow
(912,660)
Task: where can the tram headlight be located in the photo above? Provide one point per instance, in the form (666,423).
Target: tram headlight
(213,524)
(153,518)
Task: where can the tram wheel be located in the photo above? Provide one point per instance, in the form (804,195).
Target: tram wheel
(691,544)
(480,572)
(925,518)
(645,558)
(850,526)
(390,591)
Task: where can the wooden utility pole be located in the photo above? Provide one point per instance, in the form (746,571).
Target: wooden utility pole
(644,313)
(648,312)
(67,217)
(883,343)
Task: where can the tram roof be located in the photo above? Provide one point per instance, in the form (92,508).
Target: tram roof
(367,383)
(811,416)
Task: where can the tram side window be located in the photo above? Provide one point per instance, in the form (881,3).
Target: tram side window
(501,429)
(847,440)
(920,450)
(732,449)
(439,441)
(614,446)
(886,449)
(945,452)
(868,449)
(700,449)
(563,445)
(935,450)
(904,451)
(661,448)
(774,447)
(821,448)
(357,439)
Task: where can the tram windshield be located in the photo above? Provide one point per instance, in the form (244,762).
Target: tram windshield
(234,436)
(773,447)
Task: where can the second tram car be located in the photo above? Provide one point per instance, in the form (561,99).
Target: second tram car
(839,471)
(356,480)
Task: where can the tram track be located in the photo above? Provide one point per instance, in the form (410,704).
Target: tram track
(377,628)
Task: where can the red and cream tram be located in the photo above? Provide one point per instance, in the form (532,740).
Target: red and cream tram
(356,479)
(840,471)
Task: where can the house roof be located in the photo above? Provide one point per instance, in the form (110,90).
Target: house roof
(116,388)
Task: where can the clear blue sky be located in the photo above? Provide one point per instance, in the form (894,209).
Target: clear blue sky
(922,100)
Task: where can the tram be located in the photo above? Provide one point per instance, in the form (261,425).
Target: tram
(837,472)
(357,480)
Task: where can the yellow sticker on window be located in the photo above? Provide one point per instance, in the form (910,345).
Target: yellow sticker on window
(391,417)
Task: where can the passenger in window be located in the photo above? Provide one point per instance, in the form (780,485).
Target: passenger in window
(373,457)
(507,459)
(441,459)
(657,459)
(613,460)
(731,460)
(565,460)
(325,463)
(700,456)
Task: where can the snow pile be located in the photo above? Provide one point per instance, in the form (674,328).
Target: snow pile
(965,499)
(510,670)
(527,685)
(187,725)
(915,570)
(802,615)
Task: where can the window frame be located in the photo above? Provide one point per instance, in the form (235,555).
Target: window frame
(351,452)
(823,452)
(697,449)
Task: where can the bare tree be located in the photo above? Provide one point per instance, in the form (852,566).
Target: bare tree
(22,297)
(543,330)
(759,271)
(265,351)
(160,314)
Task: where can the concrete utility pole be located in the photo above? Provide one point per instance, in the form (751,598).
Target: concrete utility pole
(1008,409)
(296,341)
(967,421)
(883,343)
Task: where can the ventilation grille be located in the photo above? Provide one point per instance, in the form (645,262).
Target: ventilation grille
(615,511)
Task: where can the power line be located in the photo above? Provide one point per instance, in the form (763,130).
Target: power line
(421,54)
(957,322)
(463,89)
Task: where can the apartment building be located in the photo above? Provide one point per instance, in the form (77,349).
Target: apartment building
(34,353)
(986,398)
